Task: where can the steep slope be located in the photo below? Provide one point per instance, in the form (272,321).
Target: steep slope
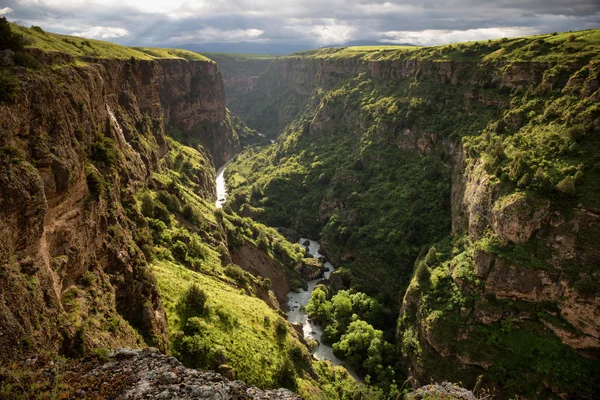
(77,143)
(108,232)
(487,150)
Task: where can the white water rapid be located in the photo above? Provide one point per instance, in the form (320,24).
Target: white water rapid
(298,300)
(221,189)
(296,314)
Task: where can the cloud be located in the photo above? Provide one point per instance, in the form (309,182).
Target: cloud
(309,22)
(5,10)
(102,32)
(208,35)
(433,37)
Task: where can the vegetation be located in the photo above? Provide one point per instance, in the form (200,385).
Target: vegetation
(35,37)
(365,162)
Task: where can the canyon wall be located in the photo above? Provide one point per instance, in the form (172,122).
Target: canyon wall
(77,144)
(523,264)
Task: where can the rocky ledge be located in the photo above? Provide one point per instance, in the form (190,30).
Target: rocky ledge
(445,390)
(148,374)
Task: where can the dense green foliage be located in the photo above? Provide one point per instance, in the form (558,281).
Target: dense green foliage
(216,311)
(365,162)
(348,319)
(519,351)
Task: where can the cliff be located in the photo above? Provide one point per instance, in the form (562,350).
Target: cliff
(80,140)
(485,151)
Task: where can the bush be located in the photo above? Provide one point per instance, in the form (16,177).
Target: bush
(236,273)
(103,150)
(96,184)
(286,375)
(26,60)
(161,212)
(147,205)
(567,186)
(179,251)
(9,39)
(199,352)
(169,200)
(38,29)
(281,328)
(9,88)
(193,301)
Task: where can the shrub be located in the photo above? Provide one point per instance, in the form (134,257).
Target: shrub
(422,273)
(235,272)
(161,212)
(586,286)
(286,375)
(179,251)
(147,205)
(37,29)
(199,352)
(96,184)
(103,150)
(193,301)
(9,39)
(169,200)
(9,88)
(567,186)
(280,328)
(26,60)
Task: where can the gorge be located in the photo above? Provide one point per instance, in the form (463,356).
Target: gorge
(455,190)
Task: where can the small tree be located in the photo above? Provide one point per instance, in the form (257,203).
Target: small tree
(567,186)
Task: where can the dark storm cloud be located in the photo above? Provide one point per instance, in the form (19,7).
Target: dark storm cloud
(312,22)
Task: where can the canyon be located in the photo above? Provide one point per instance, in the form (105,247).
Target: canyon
(454,189)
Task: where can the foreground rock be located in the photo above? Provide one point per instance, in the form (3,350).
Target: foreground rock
(148,374)
(445,390)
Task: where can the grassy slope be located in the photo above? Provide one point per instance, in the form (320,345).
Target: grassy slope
(235,322)
(569,46)
(339,154)
(81,47)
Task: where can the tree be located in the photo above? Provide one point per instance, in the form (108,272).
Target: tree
(8,39)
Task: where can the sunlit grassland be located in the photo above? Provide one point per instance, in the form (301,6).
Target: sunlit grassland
(81,47)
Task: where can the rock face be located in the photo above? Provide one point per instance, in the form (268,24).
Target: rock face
(148,374)
(75,147)
(531,257)
(442,391)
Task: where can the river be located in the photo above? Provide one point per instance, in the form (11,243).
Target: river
(296,314)
(298,300)
(221,188)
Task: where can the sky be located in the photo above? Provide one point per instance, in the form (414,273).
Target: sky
(306,22)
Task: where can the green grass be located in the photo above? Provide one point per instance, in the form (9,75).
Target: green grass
(81,47)
(251,345)
(578,45)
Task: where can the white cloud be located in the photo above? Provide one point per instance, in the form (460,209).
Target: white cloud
(5,10)
(102,32)
(434,36)
(207,35)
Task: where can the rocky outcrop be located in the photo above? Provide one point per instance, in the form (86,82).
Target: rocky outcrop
(75,147)
(445,390)
(252,259)
(148,374)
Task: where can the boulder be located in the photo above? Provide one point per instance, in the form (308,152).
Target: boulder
(7,58)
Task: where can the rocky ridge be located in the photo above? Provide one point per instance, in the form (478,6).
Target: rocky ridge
(148,374)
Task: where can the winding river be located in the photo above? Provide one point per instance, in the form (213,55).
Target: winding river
(221,189)
(298,300)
